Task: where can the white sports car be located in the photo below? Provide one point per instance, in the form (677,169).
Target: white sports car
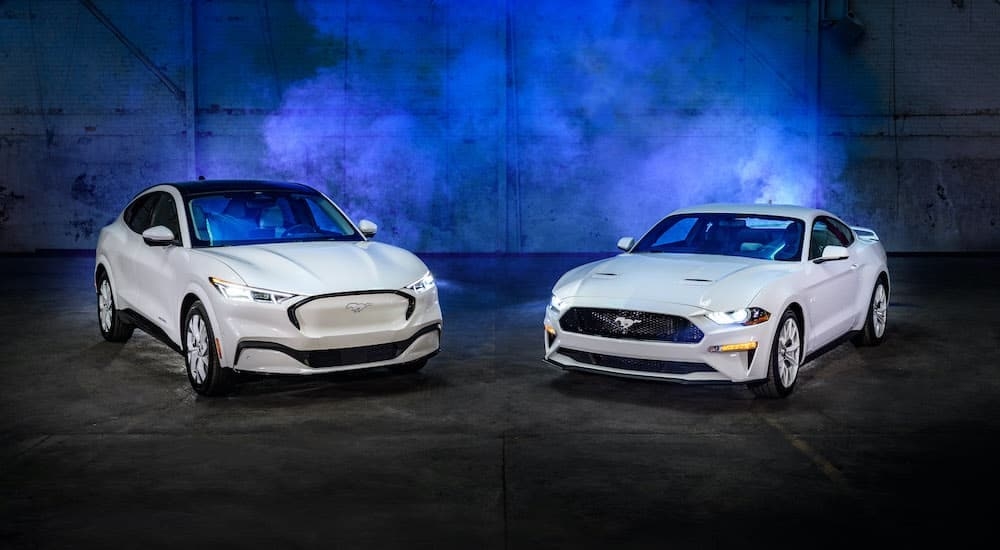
(263,277)
(722,293)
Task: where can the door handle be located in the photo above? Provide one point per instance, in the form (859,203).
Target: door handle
(854,266)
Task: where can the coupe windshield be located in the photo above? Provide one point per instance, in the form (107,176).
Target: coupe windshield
(764,237)
(254,217)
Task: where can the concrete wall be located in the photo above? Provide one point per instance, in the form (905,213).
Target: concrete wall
(506,125)
(922,133)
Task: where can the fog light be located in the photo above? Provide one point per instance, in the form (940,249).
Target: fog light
(550,329)
(744,346)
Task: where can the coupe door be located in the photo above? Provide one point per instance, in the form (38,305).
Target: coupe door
(832,285)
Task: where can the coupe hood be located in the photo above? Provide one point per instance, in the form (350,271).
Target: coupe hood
(704,281)
(310,268)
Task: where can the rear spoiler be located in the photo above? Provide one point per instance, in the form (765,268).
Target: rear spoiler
(865,234)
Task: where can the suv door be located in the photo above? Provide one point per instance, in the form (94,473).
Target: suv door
(152,266)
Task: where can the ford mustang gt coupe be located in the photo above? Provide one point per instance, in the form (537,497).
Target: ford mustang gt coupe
(722,293)
(262,277)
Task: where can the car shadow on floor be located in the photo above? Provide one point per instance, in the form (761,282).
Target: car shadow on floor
(360,383)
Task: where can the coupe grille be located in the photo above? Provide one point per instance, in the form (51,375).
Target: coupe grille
(633,364)
(631,325)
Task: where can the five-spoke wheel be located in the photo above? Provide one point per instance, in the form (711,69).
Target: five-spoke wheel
(786,357)
(201,357)
(113,328)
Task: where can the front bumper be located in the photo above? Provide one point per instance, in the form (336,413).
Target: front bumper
(673,361)
(332,333)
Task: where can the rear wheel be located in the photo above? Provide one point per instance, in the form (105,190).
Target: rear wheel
(786,357)
(878,311)
(201,356)
(113,328)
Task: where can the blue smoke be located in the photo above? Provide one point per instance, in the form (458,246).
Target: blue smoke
(617,112)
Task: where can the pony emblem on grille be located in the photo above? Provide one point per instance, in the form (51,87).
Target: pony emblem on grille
(626,323)
(356,307)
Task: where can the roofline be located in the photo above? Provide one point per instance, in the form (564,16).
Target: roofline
(197,187)
(788,210)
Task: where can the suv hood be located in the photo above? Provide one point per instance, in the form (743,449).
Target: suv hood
(310,268)
(720,283)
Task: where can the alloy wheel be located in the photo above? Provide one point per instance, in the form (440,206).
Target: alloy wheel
(197,349)
(789,347)
(106,306)
(880,310)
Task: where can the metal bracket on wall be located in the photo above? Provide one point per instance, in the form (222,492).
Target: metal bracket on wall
(174,88)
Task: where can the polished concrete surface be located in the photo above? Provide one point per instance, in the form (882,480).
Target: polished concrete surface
(105,445)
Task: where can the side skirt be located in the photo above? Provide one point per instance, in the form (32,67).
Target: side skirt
(132,317)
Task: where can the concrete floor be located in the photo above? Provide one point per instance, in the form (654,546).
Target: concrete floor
(105,445)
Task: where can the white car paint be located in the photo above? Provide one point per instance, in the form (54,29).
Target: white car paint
(153,284)
(833,296)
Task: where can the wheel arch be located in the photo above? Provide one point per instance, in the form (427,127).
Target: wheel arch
(194,294)
(801,317)
(98,271)
(884,277)
(102,269)
(189,299)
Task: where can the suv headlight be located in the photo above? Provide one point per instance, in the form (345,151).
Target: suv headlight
(235,291)
(745,317)
(422,284)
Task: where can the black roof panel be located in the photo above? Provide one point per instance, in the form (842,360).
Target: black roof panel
(198,187)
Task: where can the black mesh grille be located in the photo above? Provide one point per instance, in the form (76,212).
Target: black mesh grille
(353,356)
(628,324)
(630,363)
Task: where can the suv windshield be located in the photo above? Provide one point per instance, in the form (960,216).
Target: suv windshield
(763,237)
(273,216)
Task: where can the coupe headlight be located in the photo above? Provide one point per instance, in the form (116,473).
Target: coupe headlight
(745,317)
(235,291)
(555,303)
(422,284)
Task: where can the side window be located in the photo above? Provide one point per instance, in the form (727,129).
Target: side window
(140,212)
(165,214)
(827,232)
(843,233)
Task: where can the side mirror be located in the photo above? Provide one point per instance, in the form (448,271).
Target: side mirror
(831,253)
(626,243)
(159,235)
(368,228)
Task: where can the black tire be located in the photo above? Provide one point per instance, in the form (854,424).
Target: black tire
(409,367)
(113,327)
(201,358)
(786,359)
(876,319)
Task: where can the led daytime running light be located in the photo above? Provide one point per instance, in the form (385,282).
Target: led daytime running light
(422,284)
(235,291)
(746,317)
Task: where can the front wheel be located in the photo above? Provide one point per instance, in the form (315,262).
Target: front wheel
(113,327)
(786,357)
(878,310)
(201,356)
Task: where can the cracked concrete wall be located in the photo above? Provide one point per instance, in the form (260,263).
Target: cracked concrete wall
(924,143)
(83,125)
(504,125)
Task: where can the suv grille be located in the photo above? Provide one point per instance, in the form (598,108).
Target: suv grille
(630,325)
